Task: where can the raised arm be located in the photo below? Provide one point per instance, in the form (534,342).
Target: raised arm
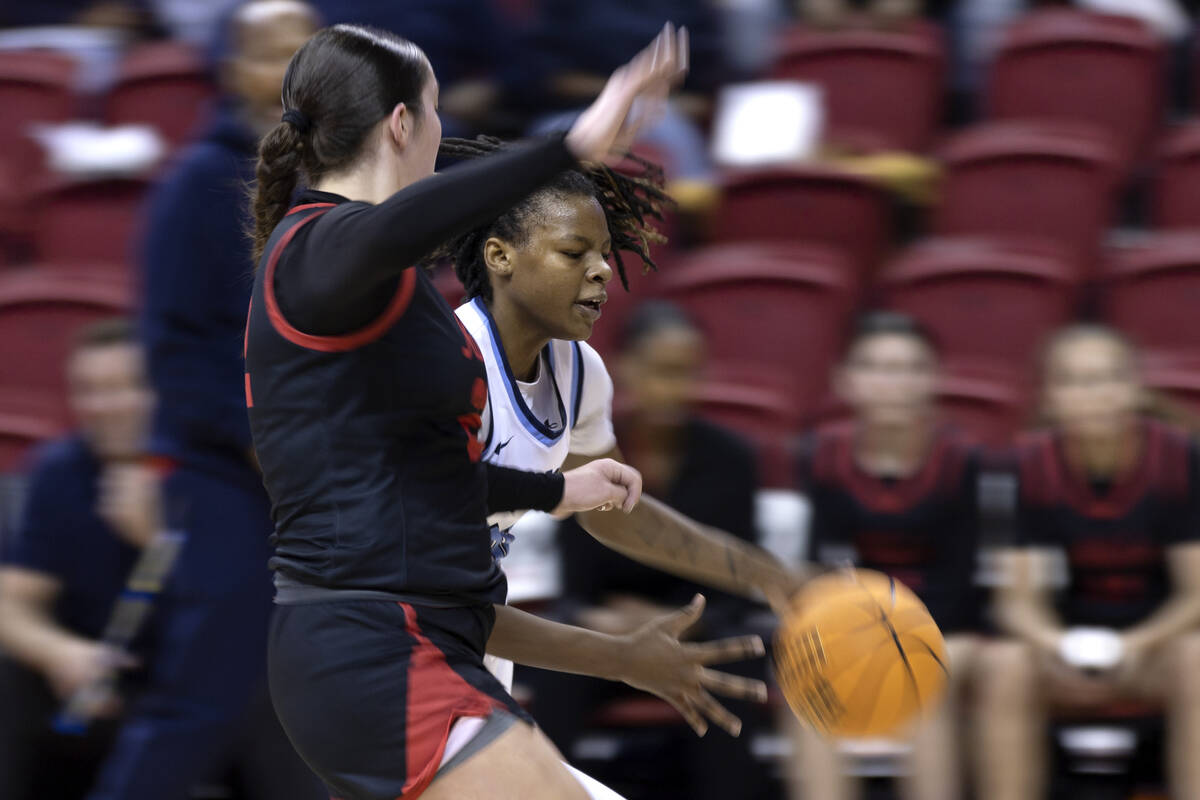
(362,249)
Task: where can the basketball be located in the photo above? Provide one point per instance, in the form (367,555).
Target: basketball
(859,656)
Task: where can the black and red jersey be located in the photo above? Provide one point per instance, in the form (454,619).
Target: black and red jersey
(365,391)
(1115,534)
(922,529)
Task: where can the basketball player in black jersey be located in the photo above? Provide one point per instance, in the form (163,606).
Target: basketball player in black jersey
(1119,495)
(364,395)
(894,490)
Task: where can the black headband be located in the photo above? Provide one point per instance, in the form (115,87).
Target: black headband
(298,120)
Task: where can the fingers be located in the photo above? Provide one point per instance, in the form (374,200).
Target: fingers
(736,648)
(664,60)
(718,713)
(679,621)
(631,479)
(733,685)
(694,718)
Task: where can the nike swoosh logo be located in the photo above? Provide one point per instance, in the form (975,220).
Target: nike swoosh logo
(500,447)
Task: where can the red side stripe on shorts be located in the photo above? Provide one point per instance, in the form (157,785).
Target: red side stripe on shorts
(437,696)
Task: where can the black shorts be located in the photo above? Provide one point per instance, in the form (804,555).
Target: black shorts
(367,690)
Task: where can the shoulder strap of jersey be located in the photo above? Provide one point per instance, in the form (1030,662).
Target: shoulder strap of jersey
(577,385)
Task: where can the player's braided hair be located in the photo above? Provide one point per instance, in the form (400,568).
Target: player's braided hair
(630,203)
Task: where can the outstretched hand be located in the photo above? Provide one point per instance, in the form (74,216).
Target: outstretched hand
(632,95)
(657,662)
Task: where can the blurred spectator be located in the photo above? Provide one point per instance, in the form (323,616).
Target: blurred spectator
(197,23)
(86,515)
(210,666)
(837,13)
(895,490)
(705,473)
(574,46)
(1119,495)
(125,14)
(467,42)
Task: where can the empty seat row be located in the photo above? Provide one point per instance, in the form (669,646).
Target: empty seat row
(164,85)
(885,89)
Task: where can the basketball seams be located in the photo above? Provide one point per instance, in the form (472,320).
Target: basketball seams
(861,687)
(929,651)
(883,617)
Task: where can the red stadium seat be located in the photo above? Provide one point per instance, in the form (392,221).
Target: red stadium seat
(990,403)
(1152,291)
(1077,65)
(40,311)
(35,87)
(448,285)
(759,405)
(1176,194)
(770,308)
(989,299)
(882,88)
(637,712)
(1176,379)
(88,221)
(810,204)
(1050,180)
(164,85)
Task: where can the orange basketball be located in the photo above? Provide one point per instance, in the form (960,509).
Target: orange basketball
(859,655)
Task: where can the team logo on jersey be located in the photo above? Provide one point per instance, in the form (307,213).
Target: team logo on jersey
(501,541)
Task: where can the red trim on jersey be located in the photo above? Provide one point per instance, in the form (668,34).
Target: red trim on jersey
(437,698)
(1128,488)
(249,394)
(942,464)
(343,342)
(162,466)
(307,206)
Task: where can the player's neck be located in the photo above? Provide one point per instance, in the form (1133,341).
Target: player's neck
(893,449)
(521,340)
(366,182)
(1106,454)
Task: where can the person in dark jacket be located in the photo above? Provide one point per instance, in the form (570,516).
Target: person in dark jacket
(83,522)
(210,668)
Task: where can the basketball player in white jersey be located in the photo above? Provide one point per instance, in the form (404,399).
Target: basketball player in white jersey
(536,279)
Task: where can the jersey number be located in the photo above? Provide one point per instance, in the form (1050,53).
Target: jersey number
(471,423)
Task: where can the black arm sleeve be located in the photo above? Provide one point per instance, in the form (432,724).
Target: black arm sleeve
(353,257)
(518,490)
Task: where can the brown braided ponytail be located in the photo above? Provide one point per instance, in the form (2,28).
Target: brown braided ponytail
(337,88)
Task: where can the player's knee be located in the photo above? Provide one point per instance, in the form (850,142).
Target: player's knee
(963,651)
(1007,671)
(1183,667)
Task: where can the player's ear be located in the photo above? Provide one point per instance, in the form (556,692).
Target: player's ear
(400,125)
(498,257)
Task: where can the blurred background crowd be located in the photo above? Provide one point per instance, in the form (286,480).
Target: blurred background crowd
(927,304)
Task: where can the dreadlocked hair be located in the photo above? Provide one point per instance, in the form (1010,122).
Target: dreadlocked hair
(630,203)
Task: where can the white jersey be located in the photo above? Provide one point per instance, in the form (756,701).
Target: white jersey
(567,408)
